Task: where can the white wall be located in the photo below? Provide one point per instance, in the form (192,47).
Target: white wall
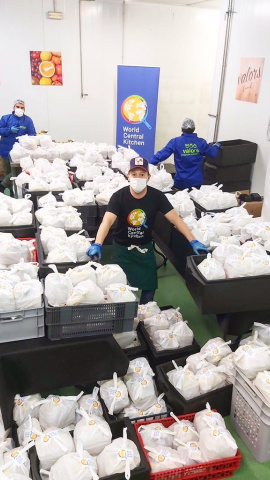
(181,40)
(250,37)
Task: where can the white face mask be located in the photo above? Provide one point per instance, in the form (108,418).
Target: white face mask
(138,184)
(18,112)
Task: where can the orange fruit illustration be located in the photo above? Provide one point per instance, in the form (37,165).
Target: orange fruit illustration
(47,69)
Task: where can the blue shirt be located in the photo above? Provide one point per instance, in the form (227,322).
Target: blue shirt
(7,137)
(189,151)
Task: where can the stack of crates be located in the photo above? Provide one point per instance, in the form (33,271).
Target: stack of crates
(232,166)
(250,416)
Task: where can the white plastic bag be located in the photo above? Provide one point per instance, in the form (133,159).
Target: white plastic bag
(115,395)
(156,434)
(142,391)
(57,288)
(82,273)
(53,444)
(79,465)
(211,378)
(121,456)
(119,293)
(85,293)
(23,406)
(262,382)
(263,330)
(7,299)
(216,443)
(251,359)
(184,381)
(148,310)
(91,404)
(28,430)
(163,458)
(92,432)
(58,411)
(184,431)
(28,294)
(16,462)
(110,273)
(216,349)
(211,269)
(206,418)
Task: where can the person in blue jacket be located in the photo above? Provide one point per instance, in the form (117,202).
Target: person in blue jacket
(12,126)
(189,151)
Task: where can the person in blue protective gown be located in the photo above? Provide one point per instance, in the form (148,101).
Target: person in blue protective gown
(189,152)
(12,126)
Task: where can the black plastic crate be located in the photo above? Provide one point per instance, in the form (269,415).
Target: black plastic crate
(238,173)
(140,473)
(102,210)
(138,351)
(44,268)
(157,357)
(22,231)
(199,210)
(36,194)
(242,294)
(236,186)
(89,213)
(219,399)
(234,152)
(113,418)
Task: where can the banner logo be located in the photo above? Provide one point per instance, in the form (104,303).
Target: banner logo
(134,110)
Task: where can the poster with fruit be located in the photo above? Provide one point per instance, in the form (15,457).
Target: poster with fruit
(46,68)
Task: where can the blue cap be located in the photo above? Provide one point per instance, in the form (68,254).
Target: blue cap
(139,162)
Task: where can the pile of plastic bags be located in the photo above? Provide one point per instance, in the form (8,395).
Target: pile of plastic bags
(88,284)
(187,443)
(15,211)
(211,197)
(167,329)
(205,371)
(135,395)
(91,452)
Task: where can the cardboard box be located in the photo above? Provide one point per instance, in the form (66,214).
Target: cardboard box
(254,208)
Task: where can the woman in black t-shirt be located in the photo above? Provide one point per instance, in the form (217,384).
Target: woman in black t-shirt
(133,210)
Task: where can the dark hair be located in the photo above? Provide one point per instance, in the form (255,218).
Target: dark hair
(188,130)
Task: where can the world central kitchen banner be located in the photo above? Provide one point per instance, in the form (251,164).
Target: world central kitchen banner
(137,94)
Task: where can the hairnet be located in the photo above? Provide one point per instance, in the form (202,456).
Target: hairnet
(18,101)
(188,123)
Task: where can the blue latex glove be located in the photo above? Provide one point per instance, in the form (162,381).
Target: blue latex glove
(14,129)
(198,247)
(217,144)
(94,251)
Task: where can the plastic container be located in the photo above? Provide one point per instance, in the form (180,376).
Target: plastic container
(113,418)
(242,294)
(219,399)
(199,209)
(253,391)
(140,473)
(238,173)
(22,230)
(157,357)
(82,320)
(138,351)
(22,324)
(251,424)
(36,194)
(88,213)
(234,152)
(44,269)
(216,469)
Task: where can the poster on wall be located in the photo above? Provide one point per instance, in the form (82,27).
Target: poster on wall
(137,95)
(249,79)
(46,68)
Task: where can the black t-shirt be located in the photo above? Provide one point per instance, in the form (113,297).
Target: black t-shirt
(136,217)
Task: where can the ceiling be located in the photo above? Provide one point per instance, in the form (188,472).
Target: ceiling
(190,3)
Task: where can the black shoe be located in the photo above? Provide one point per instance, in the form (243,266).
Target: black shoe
(2,188)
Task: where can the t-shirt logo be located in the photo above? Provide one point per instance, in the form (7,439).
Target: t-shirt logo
(136,218)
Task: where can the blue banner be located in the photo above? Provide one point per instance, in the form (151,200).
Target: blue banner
(137,94)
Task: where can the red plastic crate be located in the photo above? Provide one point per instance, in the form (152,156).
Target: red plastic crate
(215,469)
(34,244)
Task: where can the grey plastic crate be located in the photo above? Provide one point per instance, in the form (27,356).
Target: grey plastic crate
(82,320)
(251,425)
(253,391)
(22,324)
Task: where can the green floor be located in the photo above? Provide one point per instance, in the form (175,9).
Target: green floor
(172,291)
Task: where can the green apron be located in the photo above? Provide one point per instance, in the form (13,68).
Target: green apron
(140,268)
